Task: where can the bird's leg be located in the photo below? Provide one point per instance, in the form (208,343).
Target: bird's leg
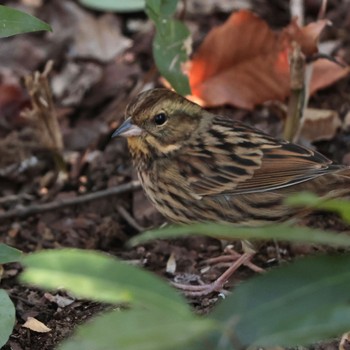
(231,257)
(218,284)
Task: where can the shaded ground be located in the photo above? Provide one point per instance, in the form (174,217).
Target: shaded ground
(99,61)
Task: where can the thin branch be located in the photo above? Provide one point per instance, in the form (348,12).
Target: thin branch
(297,97)
(323,9)
(129,219)
(60,204)
(15,198)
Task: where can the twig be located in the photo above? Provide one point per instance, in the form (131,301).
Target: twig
(129,219)
(323,8)
(43,114)
(297,97)
(15,198)
(297,10)
(43,111)
(60,204)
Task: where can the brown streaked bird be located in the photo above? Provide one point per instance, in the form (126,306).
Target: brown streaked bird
(197,166)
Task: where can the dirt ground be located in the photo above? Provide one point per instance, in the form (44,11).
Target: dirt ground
(99,61)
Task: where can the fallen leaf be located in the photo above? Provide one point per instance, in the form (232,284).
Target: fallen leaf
(326,73)
(171,264)
(307,36)
(240,63)
(59,300)
(244,63)
(12,100)
(33,3)
(207,8)
(346,122)
(34,325)
(319,124)
(346,159)
(99,38)
(74,81)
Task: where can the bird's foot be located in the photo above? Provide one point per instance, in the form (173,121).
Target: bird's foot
(218,284)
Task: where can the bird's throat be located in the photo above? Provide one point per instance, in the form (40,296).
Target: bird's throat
(144,152)
(139,150)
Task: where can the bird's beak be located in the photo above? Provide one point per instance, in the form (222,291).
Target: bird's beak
(127,129)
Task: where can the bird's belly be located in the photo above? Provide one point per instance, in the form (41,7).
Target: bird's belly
(170,200)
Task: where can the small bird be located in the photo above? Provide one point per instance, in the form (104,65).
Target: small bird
(196,166)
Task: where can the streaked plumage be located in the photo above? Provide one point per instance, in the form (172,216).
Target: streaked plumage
(197,166)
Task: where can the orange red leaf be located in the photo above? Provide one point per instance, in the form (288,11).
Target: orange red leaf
(244,63)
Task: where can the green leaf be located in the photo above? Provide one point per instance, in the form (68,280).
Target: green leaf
(7,319)
(170,54)
(324,323)
(281,232)
(9,254)
(170,43)
(138,330)
(14,22)
(157,9)
(307,199)
(100,277)
(115,5)
(292,305)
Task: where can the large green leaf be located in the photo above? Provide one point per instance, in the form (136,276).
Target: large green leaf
(100,277)
(281,232)
(14,22)
(9,254)
(115,5)
(139,330)
(7,319)
(307,199)
(292,305)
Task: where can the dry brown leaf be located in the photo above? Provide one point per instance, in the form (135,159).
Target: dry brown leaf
(59,300)
(99,38)
(244,63)
(240,63)
(306,36)
(33,3)
(75,79)
(319,124)
(12,100)
(34,325)
(346,122)
(326,73)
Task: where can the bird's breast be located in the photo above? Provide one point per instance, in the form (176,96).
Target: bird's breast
(169,197)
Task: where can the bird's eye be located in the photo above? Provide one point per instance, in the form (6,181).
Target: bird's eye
(160,118)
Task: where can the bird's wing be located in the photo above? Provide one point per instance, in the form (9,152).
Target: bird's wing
(230,158)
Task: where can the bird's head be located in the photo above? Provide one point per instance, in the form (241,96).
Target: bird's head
(159,121)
